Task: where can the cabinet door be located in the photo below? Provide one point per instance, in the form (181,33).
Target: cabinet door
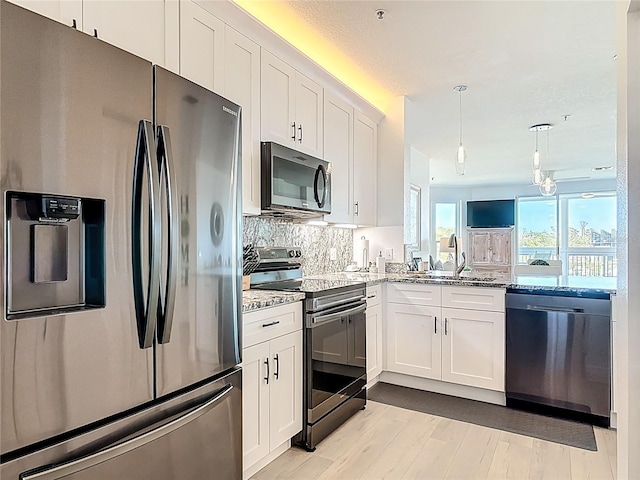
(479,243)
(473,348)
(242,86)
(201,46)
(338,149)
(137,27)
(413,340)
(500,248)
(309,108)
(63,11)
(255,403)
(277,100)
(374,341)
(365,147)
(286,388)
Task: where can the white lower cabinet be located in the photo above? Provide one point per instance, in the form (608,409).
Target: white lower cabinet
(374,332)
(272,385)
(461,346)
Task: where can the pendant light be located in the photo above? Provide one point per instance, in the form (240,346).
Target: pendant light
(461,155)
(537,169)
(548,186)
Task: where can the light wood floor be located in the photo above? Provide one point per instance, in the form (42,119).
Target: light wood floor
(389,442)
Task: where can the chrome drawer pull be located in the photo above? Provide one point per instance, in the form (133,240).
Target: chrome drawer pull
(271,323)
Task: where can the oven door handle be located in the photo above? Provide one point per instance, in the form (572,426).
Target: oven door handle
(337,315)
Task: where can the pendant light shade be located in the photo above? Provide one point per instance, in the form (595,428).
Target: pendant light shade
(461,156)
(548,186)
(537,168)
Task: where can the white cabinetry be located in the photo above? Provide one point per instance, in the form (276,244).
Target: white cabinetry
(374,333)
(272,381)
(202,46)
(350,144)
(430,336)
(365,148)
(242,86)
(291,107)
(491,248)
(63,11)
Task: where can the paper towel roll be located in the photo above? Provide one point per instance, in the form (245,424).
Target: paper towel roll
(361,253)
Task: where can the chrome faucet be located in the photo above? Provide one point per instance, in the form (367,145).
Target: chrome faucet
(453,243)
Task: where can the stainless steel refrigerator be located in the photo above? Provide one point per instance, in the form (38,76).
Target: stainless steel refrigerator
(121,263)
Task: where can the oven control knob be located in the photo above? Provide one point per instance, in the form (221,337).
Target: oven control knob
(292,253)
(298,253)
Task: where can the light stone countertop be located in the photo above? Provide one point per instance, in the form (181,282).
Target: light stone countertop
(257,299)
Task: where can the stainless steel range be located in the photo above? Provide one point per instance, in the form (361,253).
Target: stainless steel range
(335,375)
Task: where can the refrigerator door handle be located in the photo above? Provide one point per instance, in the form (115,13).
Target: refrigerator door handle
(146,160)
(167,175)
(100,456)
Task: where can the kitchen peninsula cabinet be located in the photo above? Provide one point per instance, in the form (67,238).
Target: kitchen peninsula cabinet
(490,249)
(291,107)
(271,382)
(449,333)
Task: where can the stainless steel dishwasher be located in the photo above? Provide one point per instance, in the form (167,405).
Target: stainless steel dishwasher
(558,354)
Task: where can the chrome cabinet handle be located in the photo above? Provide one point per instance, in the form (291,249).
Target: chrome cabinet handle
(165,155)
(266,362)
(435,324)
(73,466)
(300,130)
(276,373)
(371,296)
(446,326)
(146,160)
(293,135)
(356,208)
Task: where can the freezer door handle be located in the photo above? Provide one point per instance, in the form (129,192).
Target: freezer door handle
(146,160)
(167,175)
(69,468)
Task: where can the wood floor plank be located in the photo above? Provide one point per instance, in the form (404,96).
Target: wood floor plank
(475,454)
(587,465)
(282,466)
(516,439)
(312,468)
(549,461)
(395,460)
(511,461)
(365,450)
(432,462)
(609,440)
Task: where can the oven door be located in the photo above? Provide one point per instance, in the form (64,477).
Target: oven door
(336,357)
(294,180)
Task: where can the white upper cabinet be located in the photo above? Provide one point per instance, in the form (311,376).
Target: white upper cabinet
(137,27)
(365,148)
(63,11)
(202,46)
(242,86)
(291,107)
(338,149)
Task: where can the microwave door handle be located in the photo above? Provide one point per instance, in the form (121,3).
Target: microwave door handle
(320,171)
(165,153)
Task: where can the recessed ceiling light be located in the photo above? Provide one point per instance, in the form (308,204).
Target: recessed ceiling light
(602,169)
(588,195)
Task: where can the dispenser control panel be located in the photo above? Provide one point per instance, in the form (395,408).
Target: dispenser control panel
(60,207)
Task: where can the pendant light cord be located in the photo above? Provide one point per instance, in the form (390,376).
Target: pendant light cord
(460,96)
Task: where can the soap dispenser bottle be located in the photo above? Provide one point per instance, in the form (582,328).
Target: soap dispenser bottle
(380,263)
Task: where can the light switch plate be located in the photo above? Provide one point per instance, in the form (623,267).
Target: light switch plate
(333,254)
(388,254)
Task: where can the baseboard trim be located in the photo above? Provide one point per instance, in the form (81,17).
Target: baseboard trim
(463,391)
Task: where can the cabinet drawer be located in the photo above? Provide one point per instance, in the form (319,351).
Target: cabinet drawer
(474,298)
(268,323)
(414,294)
(374,295)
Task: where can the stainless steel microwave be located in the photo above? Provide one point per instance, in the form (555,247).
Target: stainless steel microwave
(293,183)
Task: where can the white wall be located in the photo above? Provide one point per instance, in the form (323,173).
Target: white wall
(627,325)
(381,238)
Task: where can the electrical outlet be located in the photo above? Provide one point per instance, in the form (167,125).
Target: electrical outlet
(333,254)
(388,254)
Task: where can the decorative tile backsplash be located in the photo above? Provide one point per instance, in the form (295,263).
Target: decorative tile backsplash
(314,241)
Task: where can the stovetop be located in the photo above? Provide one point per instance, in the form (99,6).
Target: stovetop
(313,287)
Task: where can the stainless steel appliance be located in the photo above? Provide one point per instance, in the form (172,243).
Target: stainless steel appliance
(334,348)
(128,366)
(294,184)
(558,354)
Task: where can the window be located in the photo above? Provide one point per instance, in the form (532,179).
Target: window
(579,231)
(445,218)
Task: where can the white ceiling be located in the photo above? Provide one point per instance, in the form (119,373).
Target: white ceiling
(525,62)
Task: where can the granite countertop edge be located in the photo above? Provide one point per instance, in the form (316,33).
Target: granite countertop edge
(253,300)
